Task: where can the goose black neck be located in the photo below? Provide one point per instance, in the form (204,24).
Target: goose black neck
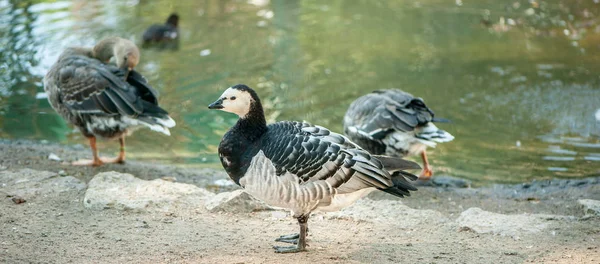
(253,125)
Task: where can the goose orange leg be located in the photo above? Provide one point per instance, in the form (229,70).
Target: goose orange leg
(94,162)
(97,161)
(427,172)
(121,158)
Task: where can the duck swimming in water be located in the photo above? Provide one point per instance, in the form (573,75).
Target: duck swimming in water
(103,100)
(163,35)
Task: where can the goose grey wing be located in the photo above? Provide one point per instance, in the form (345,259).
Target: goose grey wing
(139,82)
(314,153)
(378,113)
(88,87)
(146,92)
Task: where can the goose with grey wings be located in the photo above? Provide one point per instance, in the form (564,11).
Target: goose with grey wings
(299,166)
(104,100)
(394,123)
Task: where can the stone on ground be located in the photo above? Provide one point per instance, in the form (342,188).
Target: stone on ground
(590,207)
(482,222)
(370,210)
(237,201)
(125,192)
(28,183)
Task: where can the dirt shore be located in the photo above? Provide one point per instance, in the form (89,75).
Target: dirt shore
(429,227)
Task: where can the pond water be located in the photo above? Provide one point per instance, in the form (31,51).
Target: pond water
(518,79)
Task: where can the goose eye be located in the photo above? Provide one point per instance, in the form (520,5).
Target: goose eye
(232,98)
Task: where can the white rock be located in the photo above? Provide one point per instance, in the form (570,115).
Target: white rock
(237,201)
(125,192)
(223,182)
(53,156)
(280,215)
(482,222)
(370,210)
(29,183)
(590,207)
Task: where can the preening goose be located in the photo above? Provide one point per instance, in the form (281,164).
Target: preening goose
(394,123)
(101,99)
(300,166)
(124,52)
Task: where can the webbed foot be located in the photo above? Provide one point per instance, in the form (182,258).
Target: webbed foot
(292,238)
(289,249)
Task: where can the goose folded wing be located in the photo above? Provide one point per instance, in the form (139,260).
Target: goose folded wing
(139,82)
(95,89)
(146,92)
(390,115)
(313,153)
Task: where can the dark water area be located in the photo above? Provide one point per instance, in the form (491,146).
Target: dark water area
(518,79)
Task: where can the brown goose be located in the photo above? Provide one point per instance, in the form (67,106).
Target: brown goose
(394,123)
(102,99)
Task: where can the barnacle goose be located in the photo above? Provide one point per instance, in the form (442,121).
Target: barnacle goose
(102,99)
(394,123)
(300,166)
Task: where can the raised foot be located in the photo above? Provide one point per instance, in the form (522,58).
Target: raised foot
(113,160)
(87,162)
(425,174)
(290,249)
(292,238)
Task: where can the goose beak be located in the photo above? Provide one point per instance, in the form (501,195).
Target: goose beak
(217,104)
(125,71)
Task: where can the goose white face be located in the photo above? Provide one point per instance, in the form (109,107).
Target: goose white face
(234,101)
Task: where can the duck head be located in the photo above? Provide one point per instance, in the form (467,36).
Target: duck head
(125,52)
(173,20)
(239,99)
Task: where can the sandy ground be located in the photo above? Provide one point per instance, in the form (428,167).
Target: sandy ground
(58,229)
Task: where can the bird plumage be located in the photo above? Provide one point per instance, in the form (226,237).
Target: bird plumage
(394,123)
(318,164)
(300,166)
(83,88)
(102,99)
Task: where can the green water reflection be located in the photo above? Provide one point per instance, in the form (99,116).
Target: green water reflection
(519,79)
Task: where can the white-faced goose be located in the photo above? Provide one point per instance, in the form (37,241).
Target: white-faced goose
(300,166)
(394,123)
(102,99)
